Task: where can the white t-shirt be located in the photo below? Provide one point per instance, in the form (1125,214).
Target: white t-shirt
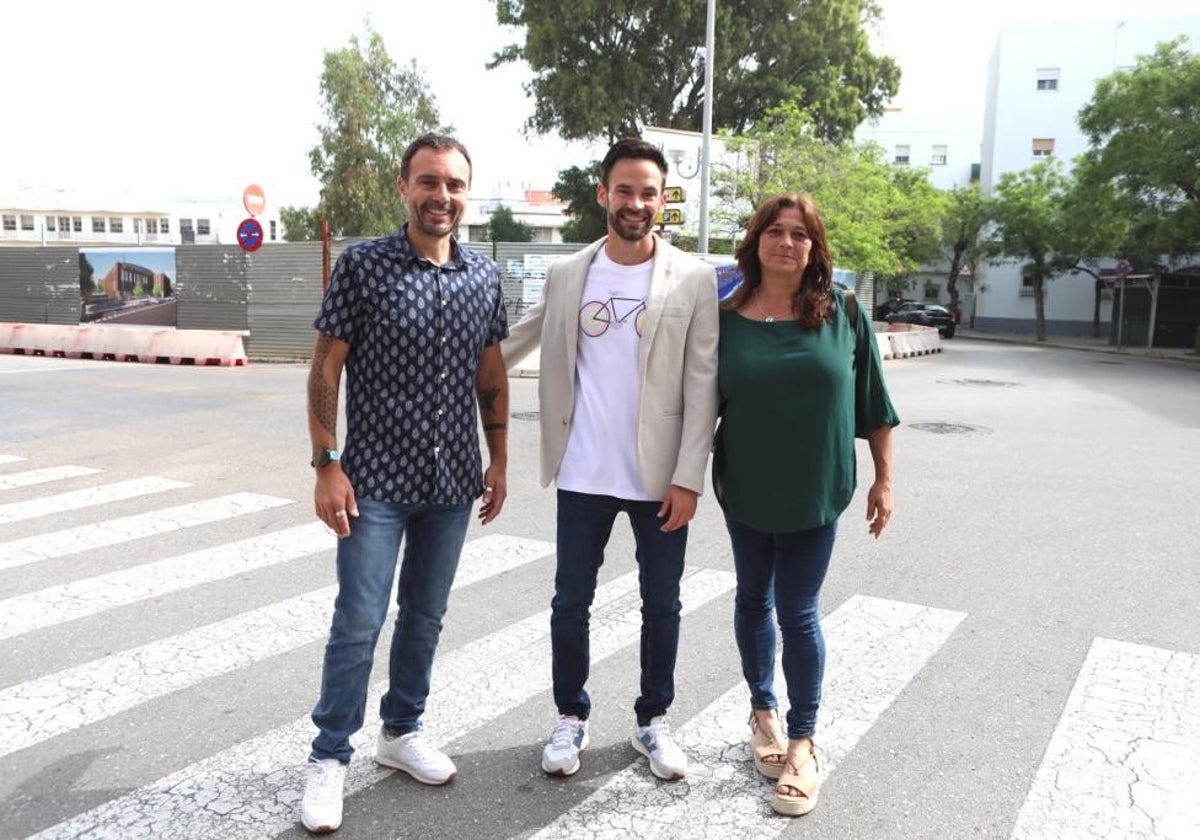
(601,456)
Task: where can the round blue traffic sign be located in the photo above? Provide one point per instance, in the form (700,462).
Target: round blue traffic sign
(250,235)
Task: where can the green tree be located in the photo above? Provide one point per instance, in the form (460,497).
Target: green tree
(576,185)
(300,224)
(966,216)
(604,69)
(879,218)
(373,108)
(87,276)
(1143,128)
(502,226)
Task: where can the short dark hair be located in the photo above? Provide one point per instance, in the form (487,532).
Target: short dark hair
(437,142)
(633,148)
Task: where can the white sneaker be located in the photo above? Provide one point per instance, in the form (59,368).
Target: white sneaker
(560,756)
(321,807)
(413,754)
(667,760)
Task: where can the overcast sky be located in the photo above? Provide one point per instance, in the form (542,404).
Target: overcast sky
(198,100)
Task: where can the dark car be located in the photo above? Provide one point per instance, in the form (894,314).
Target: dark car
(925,314)
(888,307)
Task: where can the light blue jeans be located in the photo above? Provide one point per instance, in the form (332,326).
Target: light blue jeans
(433,537)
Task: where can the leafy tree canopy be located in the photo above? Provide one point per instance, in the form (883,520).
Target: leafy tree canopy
(502,226)
(966,215)
(373,108)
(576,185)
(878,217)
(1143,126)
(300,224)
(605,69)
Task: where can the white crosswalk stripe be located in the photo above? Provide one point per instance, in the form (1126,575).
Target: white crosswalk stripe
(10,459)
(875,648)
(80,598)
(33,711)
(90,497)
(251,790)
(1125,758)
(29,478)
(89,537)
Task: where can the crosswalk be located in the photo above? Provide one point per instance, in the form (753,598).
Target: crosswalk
(1124,760)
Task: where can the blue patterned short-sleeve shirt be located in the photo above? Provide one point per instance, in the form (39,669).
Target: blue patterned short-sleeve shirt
(415,331)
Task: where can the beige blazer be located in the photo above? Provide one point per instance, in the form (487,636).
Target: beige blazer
(677,365)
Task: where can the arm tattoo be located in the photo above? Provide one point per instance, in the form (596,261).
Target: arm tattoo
(322,397)
(487,400)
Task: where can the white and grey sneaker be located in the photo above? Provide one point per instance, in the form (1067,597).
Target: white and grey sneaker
(413,754)
(560,756)
(667,760)
(321,807)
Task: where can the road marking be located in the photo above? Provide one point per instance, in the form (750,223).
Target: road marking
(1124,760)
(875,648)
(38,709)
(100,534)
(252,789)
(89,497)
(10,459)
(70,601)
(42,476)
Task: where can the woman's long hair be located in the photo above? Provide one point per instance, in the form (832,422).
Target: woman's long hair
(813,302)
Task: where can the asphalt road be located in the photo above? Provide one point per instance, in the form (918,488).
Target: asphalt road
(1018,656)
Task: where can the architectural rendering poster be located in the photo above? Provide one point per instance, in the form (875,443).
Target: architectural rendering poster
(133,286)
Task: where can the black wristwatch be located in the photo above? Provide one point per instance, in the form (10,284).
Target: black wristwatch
(324,457)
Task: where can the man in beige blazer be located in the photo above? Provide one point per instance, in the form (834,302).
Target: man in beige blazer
(628,403)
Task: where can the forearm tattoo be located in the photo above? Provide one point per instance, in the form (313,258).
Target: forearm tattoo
(322,397)
(487,400)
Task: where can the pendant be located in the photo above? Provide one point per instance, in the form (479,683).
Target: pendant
(770,319)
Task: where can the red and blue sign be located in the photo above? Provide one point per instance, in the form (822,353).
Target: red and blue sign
(250,235)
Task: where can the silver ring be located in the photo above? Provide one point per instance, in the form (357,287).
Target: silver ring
(487,489)
(340,514)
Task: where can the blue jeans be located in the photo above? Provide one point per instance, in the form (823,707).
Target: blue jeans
(366,565)
(585,522)
(782,573)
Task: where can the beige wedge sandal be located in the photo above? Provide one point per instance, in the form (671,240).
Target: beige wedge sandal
(796,793)
(766,742)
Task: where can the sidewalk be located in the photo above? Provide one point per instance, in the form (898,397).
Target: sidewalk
(1094,345)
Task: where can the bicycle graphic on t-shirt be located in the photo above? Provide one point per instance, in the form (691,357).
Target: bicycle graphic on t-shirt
(595,317)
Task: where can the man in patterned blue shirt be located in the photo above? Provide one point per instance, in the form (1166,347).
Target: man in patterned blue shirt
(415,319)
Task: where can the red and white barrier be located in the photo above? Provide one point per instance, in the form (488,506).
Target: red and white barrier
(127,343)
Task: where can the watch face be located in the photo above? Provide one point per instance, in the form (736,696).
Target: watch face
(325,456)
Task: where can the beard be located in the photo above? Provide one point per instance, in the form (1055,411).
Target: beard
(419,218)
(631,227)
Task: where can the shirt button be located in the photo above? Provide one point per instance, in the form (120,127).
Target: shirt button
(441,411)
(443,376)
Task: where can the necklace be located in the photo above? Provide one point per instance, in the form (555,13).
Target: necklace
(769,319)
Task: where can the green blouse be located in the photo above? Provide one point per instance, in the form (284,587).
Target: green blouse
(792,402)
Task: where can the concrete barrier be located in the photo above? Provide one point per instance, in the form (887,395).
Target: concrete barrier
(126,344)
(908,340)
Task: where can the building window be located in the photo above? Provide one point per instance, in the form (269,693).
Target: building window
(1043,146)
(98,225)
(116,225)
(152,226)
(64,224)
(273,230)
(931,291)
(1047,78)
(164,225)
(10,222)
(938,158)
(50,223)
(77,224)
(202,227)
(27,223)
(902,155)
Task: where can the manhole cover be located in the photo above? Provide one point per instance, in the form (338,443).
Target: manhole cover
(524,415)
(981,383)
(951,428)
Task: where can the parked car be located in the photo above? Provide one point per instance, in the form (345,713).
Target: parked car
(889,306)
(925,314)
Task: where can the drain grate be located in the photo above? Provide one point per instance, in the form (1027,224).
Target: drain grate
(981,383)
(951,428)
(524,415)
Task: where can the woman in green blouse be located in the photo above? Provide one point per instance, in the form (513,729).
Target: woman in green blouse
(800,378)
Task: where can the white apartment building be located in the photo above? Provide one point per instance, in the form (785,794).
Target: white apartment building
(1040,76)
(539,209)
(945,144)
(35,215)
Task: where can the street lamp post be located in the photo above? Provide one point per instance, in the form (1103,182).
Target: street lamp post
(709,31)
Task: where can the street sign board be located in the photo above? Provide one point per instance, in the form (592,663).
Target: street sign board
(674,195)
(250,235)
(669,216)
(254,200)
